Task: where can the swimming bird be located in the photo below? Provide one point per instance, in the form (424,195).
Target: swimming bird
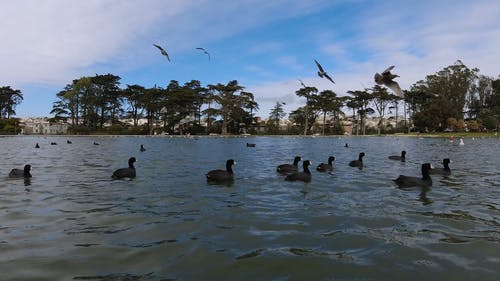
(401,158)
(125,172)
(18,173)
(358,163)
(289,168)
(142,149)
(204,51)
(163,52)
(346,145)
(386,78)
(95,143)
(222,176)
(446,171)
(250,144)
(326,167)
(408,181)
(37,146)
(69,142)
(322,73)
(304,176)
(53,143)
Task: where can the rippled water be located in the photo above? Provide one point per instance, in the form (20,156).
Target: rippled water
(71,221)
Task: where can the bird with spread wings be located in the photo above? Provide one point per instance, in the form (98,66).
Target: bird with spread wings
(322,73)
(163,52)
(386,78)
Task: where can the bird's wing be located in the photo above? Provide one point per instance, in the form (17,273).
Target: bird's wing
(388,70)
(319,66)
(302,83)
(329,78)
(394,86)
(204,51)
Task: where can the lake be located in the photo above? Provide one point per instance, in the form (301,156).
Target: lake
(71,221)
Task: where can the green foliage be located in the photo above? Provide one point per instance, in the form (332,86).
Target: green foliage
(9,126)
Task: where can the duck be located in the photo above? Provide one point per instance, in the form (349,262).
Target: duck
(222,176)
(304,176)
(409,181)
(21,173)
(358,163)
(326,167)
(125,172)
(142,149)
(37,146)
(95,143)
(446,171)
(289,168)
(401,158)
(250,144)
(69,142)
(53,143)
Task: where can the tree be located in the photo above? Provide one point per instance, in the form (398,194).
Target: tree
(381,99)
(361,100)
(300,118)
(9,99)
(326,102)
(306,92)
(231,103)
(448,89)
(275,116)
(134,94)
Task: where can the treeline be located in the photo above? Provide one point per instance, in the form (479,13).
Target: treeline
(456,98)
(90,102)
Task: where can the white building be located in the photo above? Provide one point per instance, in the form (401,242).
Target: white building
(42,126)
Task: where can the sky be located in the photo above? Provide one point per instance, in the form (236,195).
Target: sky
(266,45)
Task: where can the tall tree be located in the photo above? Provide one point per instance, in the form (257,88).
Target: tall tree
(227,97)
(9,99)
(275,116)
(306,92)
(381,99)
(361,100)
(326,102)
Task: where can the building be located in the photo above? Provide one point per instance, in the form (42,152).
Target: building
(42,126)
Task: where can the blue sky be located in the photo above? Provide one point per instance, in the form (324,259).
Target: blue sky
(265,45)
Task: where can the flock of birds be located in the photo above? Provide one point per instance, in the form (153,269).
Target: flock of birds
(290,171)
(385,78)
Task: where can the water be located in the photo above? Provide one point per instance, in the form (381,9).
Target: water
(71,221)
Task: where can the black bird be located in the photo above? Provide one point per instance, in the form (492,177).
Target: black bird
(401,158)
(446,171)
(386,78)
(18,173)
(250,144)
(322,73)
(163,52)
(37,146)
(68,142)
(53,143)
(346,145)
(289,168)
(326,167)
(409,181)
(204,51)
(358,163)
(222,176)
(302,83)
(304,176)
(142,149)
(95,143)
(125,172)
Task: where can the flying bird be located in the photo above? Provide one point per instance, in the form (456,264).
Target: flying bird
(163,52)
(205,51)
(386,78)
(302,83)
(322,73)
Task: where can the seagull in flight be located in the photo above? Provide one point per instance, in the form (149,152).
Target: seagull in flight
(302,83)
(163,52)
(322,73)
(205,51)
(386,78)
